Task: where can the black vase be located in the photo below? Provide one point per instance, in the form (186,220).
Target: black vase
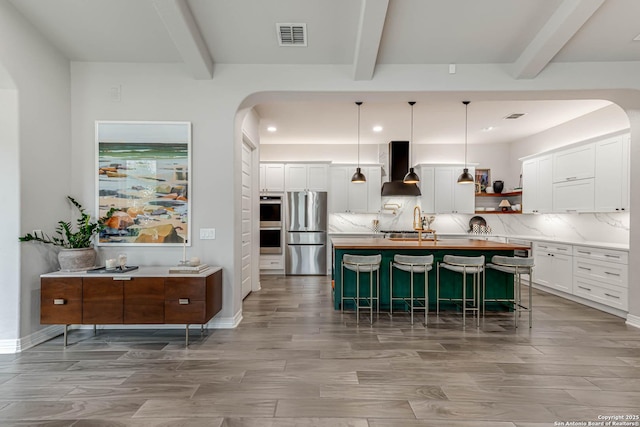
(498,186)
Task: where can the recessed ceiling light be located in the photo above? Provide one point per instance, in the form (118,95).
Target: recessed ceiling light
(377,128)
(488,129)
(272,129)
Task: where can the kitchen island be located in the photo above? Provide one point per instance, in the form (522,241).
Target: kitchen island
(499,285)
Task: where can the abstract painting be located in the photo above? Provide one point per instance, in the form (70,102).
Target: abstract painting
(143,171)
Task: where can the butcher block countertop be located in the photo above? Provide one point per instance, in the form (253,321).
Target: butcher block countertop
(390,244)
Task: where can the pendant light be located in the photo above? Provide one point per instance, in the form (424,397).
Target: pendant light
(465,177)
(411,177)
(358,177)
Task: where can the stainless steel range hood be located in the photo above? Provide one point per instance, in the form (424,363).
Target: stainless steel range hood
(398,168)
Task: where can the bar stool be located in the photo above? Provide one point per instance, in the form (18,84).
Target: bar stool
(464,265)
(362,264)
(516,266)
(421,264)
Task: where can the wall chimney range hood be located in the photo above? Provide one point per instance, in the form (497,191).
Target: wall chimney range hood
(398,168)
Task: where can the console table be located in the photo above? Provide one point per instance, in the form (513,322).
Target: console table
(148,295)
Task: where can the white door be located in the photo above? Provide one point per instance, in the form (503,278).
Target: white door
(246,220)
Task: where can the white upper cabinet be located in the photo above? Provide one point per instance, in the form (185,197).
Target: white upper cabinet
(574,163)
(374,188)
(301,177)
(428,189)
(612,174)
(449,196)
(589,177)
(537,185)
(346,196)
(271,177)
(574,196)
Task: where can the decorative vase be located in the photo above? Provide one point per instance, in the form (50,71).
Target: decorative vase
(77,259)
(498,186)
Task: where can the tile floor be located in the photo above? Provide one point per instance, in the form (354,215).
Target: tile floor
(294,361)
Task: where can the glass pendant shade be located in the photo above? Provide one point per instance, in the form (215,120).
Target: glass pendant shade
(465,177)
(411,177)
(358,177)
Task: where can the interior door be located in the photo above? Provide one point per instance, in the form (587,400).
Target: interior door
(246,220)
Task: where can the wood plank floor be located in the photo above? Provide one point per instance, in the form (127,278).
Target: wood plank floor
(294,361)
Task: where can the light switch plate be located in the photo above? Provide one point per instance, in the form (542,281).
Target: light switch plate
(207,234)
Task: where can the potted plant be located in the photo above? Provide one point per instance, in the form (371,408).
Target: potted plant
(76,251)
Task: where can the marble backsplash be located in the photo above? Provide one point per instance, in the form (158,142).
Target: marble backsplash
(593,227)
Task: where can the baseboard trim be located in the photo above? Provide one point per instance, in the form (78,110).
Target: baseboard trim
(24,343)
(580,300)
(49,332)
(226,322)
(633,320)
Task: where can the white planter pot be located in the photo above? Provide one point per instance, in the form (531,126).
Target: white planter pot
(77,259)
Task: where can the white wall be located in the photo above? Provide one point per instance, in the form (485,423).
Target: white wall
(10,225)
(167,92)
(41,167)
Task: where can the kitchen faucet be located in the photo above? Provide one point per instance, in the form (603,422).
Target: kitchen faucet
(418,224)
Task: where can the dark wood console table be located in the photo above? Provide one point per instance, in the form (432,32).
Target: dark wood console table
(148,295)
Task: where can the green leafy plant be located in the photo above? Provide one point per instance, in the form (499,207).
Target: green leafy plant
(65,236)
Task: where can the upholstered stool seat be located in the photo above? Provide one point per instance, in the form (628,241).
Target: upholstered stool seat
(464,265)
(362,264)
(516,266)
(420,264)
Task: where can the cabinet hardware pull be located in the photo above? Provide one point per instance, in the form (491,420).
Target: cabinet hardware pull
(183,301)
(584,252)
(59,301)
(586,289)
(612,256)
(122,278)
(612,296)
(585,268)
(569,178)
(611,274)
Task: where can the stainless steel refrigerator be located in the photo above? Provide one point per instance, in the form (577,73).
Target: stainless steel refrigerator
(306,233)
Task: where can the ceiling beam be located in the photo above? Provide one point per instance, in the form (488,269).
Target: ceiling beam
(372,16)
(570,16)
(183,29)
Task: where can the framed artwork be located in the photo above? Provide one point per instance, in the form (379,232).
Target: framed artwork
(144,171)
(483,180)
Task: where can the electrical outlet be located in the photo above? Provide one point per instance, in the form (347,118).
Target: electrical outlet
(207,234)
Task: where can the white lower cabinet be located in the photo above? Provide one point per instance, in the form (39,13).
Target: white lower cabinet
(553,266)
(590,273)
(601,275)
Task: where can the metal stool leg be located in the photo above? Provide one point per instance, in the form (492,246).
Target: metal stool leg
(438,289)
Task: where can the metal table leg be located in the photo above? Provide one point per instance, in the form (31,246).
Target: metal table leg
(186,335)
(65,335)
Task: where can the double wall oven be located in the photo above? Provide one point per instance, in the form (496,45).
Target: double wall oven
(271,218)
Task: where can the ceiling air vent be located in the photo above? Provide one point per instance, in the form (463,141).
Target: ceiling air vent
(513,116)
(292,34)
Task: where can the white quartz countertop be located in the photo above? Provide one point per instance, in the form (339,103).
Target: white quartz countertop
(593,244)
(603,245)
(156,271)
